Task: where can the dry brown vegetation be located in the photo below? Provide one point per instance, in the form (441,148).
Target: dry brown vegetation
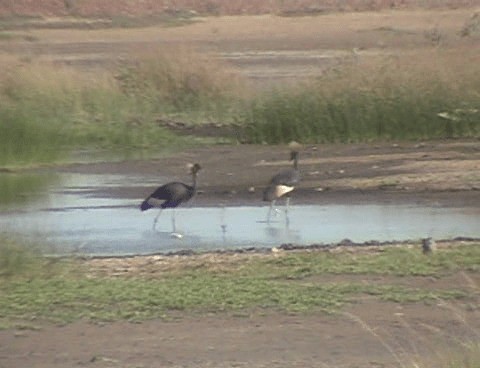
(95,8)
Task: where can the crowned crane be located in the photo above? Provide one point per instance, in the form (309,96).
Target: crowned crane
(171,195)
(282,184)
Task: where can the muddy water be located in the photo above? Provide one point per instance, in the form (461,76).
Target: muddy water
(67,215)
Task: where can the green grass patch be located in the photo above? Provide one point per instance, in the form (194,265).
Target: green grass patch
(45,113)
(68,299)
(35,287)
(19,188)
(391,98)
(393,261)
(22,259)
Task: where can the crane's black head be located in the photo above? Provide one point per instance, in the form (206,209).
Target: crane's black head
(195,168)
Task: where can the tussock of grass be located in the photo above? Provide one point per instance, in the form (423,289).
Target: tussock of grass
(421,96)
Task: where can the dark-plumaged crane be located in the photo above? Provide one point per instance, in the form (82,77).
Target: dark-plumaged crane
(171,195)
(282,184)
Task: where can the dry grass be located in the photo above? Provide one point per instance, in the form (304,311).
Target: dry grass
(424,348)
(137,8)
(183,79)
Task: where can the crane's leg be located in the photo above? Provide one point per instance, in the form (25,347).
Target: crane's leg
(174,227)
(156,218)
(174,233)
(287,206)
(272,205)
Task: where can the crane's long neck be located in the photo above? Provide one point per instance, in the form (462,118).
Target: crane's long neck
(295,162)
(194,182)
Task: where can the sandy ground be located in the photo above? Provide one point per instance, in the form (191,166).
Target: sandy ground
(265,48)
(368,333)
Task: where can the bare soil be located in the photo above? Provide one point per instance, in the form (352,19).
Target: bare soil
(368,333)
(264,48)
(139,8)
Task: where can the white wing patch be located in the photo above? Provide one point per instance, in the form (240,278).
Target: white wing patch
(281,190)
(155,202)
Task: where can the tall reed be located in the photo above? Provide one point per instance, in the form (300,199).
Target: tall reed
(420,96)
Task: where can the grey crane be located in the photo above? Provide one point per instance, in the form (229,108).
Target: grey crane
(171,195)
(282,184)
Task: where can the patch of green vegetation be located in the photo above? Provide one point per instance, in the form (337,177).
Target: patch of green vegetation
(400,294)
(68,298)
(62,292)
(47,110)
(388,100)
(396,261)
(20,259)
(354,115)
(22,188)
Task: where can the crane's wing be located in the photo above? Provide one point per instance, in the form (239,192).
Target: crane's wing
(171,191)
(288,177)
(168,195)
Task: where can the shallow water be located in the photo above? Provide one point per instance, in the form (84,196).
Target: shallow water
(74,219)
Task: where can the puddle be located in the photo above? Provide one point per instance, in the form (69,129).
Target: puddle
(75,219)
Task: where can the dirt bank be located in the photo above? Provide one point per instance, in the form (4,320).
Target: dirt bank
(441,173)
